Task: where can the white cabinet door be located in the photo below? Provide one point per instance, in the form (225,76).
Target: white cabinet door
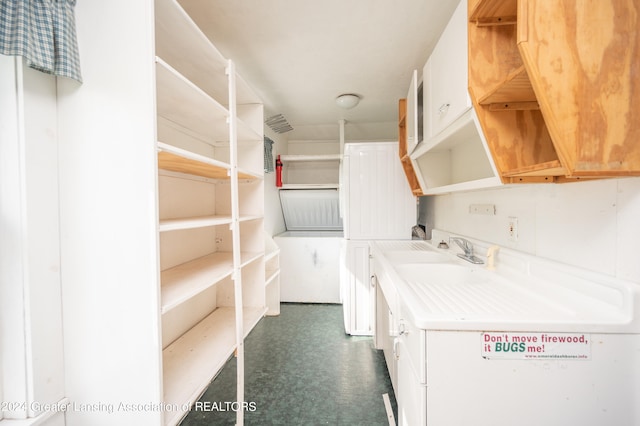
(411,394)
(412,113)
(380,204)
(358,292)
(385,332)
(445,76)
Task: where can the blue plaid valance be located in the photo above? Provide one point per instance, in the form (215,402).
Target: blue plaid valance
(268,155)
(43,32)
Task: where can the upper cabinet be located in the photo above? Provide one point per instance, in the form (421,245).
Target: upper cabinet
(553,83)
(453,155)
(445,76)
(412,114)
(407,163)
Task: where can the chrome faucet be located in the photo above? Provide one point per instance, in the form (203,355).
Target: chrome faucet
(467,247)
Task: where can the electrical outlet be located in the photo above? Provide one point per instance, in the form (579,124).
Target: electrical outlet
(488,209)
(513,229)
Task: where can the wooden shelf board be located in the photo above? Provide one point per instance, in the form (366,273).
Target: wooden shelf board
(549,168)
(184,103)
(249,257)
(316,157)
(182,161)
(249,175)
(310,186)
(489,182)
(462,128)
(494,12)
(181,101)
(271,254)
(201,222)
(193,360)
(516,87)
(193,222)
(184,281)
(410,174)
(176,163)
(271,276)
(513,106)
(179,40)
(249,217)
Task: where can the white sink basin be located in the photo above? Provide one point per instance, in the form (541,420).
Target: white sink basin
(441,273)
(415,256)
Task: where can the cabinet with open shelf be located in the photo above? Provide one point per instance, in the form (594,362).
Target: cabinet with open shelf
(405,160)
(547,113)
(310,171)
(453,155)
(210,192)
(505,101)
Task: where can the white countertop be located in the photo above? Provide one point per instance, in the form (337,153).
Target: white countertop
(523,293)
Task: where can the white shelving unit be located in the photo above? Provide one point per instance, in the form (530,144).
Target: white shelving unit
(210,191)
(311,171)
(272,276)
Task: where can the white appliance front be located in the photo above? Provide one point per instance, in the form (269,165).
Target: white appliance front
(379,204)
(309,266)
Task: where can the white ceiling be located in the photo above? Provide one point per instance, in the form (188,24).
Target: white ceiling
(299,55)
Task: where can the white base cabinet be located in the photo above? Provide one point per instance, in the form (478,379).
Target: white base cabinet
(386,333)
(410,358)
(310,266)
(444,379)
(357,288)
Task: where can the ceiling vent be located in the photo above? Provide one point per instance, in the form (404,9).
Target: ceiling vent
(278,123)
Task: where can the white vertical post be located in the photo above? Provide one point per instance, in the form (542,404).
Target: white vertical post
(341,172)
(13,255)
(235,233)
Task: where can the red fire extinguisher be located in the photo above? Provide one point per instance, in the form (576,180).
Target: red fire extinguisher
(278,172)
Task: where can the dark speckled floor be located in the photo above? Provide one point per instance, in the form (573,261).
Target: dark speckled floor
(302,369)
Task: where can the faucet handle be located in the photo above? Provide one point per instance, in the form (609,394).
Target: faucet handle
(464,244)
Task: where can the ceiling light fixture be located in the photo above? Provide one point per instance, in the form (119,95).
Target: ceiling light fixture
(347,100)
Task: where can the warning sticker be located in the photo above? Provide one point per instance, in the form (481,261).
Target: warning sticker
(510,345)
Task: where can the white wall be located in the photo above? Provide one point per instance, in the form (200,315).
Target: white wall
(590,224)
(273,219)
(354,131)
(31,350)
(108,216)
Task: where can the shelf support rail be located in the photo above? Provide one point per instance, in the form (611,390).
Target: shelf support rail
(235,233)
